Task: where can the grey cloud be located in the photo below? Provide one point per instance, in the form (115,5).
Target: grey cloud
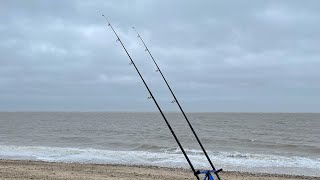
(218,55)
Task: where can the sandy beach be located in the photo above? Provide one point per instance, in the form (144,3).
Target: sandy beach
(21,169)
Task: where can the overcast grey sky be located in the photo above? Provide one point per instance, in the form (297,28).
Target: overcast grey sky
(252,56)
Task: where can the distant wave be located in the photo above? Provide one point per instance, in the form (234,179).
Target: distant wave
(170,157)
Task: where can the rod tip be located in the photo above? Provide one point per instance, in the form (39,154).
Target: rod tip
(102,14)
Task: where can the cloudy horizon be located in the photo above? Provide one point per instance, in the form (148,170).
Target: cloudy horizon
(218,56)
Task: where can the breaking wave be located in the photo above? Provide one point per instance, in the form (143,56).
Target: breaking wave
(170,157)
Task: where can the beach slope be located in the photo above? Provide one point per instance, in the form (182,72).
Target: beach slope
(20,169)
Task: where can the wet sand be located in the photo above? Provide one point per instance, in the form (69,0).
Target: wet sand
(21,169)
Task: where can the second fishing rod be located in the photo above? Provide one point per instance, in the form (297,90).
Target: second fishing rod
(176,101)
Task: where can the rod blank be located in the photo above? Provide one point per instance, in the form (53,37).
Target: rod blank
(154,100)
(177,102)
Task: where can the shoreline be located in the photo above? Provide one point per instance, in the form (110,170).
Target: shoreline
(28,169)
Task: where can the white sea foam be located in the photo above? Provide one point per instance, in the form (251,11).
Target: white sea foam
(166,158)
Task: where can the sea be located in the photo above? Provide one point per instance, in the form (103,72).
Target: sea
(280,143)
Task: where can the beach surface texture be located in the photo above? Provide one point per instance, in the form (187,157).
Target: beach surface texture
(21,169)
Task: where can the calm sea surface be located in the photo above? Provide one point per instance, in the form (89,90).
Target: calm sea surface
(256,142)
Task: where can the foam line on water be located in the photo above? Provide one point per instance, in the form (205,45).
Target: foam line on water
(166,158)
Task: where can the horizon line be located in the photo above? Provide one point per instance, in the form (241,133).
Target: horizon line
(117,111)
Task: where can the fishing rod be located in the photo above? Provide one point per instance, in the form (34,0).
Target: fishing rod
(176,101)
(154,100)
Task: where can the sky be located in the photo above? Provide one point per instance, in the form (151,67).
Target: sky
(218,56)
